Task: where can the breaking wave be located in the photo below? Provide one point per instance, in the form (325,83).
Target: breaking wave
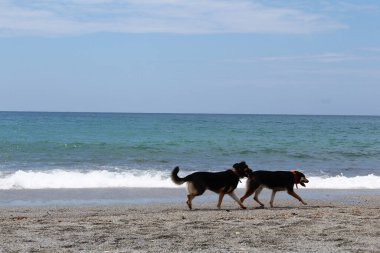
(61,179)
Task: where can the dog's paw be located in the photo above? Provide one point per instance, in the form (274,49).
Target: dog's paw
(243,207)
(303,202)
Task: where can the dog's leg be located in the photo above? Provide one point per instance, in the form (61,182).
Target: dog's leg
(193,190)
(246,195)
(292,193)
(233,195)
(221,195)
(256,197)
(250,189)
(189,199)
(272,198)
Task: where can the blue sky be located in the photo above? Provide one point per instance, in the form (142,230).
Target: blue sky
(202,56)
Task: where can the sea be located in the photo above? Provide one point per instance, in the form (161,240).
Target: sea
(56,150)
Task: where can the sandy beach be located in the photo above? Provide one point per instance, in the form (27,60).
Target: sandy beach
(348,223)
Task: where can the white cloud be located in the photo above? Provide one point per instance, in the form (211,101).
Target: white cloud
(346,6)
(58,18)
(372,49)
(309,58)
(325,57)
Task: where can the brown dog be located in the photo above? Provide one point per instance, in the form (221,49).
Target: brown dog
(276,181)
(224,182)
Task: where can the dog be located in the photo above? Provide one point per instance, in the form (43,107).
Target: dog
(276,181)
(224,182)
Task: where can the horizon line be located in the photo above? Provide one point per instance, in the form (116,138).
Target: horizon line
(193,113)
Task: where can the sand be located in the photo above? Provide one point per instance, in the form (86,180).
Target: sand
(321,226)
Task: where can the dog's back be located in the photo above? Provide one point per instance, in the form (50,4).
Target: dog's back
(272,179)
(225,181)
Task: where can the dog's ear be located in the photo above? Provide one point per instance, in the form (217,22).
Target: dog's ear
(235,166)
(243,164)
(300,173)
(248,172)
(297,171)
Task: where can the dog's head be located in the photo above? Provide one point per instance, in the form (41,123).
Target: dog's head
(302,178)
(242,169)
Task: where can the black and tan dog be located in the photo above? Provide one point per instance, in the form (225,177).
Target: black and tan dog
(224,182)
(276,181)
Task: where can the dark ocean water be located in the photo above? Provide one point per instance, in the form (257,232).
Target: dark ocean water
(75,150)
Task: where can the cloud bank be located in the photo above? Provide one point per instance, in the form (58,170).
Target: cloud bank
(76,17)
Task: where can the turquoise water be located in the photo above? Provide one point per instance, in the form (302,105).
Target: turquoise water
(87,142)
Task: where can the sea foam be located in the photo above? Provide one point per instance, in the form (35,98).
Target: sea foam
(61,179)
(341,182)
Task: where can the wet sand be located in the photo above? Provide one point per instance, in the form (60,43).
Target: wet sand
(344,223)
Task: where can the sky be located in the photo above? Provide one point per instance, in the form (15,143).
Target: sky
(201,56)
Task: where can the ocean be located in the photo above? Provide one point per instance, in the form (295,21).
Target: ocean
(43,150)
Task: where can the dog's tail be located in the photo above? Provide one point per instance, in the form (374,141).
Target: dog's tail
(175,178)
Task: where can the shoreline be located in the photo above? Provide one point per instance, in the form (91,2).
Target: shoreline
(324,225)
(146,196)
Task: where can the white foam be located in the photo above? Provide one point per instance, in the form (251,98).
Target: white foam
(61,179)
(342,182)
